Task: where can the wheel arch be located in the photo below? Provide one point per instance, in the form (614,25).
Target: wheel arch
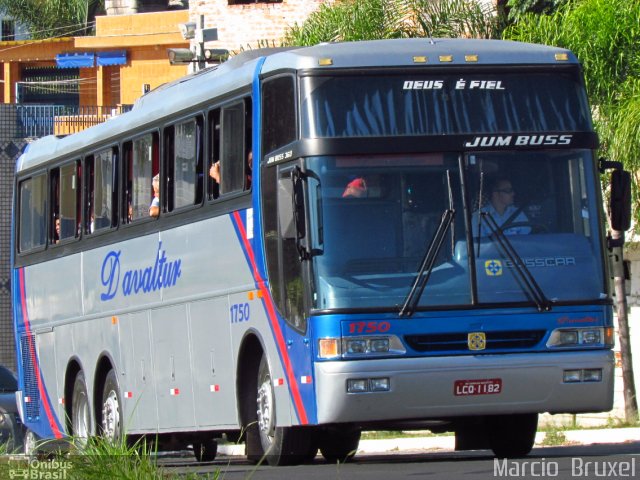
(249,356)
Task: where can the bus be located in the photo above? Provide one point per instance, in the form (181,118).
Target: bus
(375,235)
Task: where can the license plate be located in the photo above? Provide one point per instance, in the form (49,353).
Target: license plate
(485,386)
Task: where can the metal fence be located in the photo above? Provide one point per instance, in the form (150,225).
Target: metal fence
(28,121)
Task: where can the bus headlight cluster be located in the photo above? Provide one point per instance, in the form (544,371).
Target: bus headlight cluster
(350,347)
(581,337)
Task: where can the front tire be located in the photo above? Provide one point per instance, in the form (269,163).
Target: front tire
(339,446)
(281,445)
(512,436)
(111,411)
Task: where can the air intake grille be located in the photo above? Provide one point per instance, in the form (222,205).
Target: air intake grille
(31,394)
(458,341)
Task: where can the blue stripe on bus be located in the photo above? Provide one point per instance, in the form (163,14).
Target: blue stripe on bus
(275,322)
(50,425)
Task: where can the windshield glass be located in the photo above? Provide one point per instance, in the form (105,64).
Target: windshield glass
(372,220)
(437,104)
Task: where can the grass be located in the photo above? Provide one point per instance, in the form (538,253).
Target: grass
(95,459)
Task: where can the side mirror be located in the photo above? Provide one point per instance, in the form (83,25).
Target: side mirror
(620,202)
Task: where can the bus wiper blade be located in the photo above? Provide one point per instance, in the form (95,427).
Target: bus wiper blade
(526,280)
(426,266)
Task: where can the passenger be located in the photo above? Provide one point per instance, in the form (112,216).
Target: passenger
(154,209)
(356,188)
(56,236)
(214,171)
(502,209)
(249,169)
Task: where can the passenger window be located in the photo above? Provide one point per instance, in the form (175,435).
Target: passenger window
(141,164)
(184,164)
(213,164)
(32,219)
(65,191)
(99,174)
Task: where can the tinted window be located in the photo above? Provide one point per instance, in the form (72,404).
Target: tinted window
(279,113)
(32,201)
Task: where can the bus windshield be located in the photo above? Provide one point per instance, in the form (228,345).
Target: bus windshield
(374,218)
(410,104)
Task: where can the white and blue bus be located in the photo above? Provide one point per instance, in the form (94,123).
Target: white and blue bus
(373,235)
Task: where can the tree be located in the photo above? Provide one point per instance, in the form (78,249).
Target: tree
(352,20)
(517,8)
(54,18)
(604,35)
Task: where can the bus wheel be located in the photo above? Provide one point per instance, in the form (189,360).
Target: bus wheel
(80,411)
(512,436)
(339,445)
(111,424)
(205,450)
(282,445)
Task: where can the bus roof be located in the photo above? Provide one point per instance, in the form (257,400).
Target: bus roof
(238,72)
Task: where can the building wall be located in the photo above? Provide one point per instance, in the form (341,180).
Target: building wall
(245,25)
(10,150)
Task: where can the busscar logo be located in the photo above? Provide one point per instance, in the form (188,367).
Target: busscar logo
(477,341)
(486,141)
(493,268)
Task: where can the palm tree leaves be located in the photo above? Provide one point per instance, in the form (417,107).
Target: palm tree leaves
(352,20)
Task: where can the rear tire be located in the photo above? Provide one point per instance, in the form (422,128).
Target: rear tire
(512,436)
(111,411)
(281,445)
(205,450)
(80,411)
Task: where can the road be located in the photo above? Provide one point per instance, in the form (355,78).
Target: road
(619,460)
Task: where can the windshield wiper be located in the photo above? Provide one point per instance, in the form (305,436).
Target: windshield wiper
(429,259)
(526,279)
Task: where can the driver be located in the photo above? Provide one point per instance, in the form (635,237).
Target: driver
(502,210)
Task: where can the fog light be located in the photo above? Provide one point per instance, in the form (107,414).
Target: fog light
(357,385)
(356,346)
(592,375)
(572,376)
(379,384)
(379,345)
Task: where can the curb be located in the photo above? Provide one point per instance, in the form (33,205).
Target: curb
(447,442)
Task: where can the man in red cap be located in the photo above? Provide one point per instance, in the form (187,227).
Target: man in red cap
(355,188)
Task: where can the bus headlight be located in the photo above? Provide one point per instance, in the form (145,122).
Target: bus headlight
(364,346)
(580,337)
(371,346)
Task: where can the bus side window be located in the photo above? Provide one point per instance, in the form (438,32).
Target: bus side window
(183,164)
(32,202)
(65,190)
(99,176)
(126,214)
(279,113)
(233,160)
(140,165)
(213,165)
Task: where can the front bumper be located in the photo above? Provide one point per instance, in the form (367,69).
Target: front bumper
(423,388)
